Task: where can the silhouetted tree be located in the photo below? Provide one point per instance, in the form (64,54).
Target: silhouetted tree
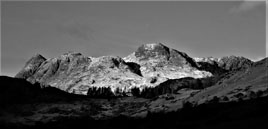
(73,91)
(215,100)
(117,91)
(101,92)
(259,93)
(135,91)
(239,95)
(148,92)
(252,95)
(187,105)
(225,98)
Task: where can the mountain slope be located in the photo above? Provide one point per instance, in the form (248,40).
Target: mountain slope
(31,66)
(73,72)
(157,60)
(54,108)
(150,65)
(20,91)
(224,64)
(239,84)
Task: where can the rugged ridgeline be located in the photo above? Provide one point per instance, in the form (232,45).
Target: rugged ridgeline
(239,97)
(178,90)
(73,72)
(224,64)
(159,61)
(148,66)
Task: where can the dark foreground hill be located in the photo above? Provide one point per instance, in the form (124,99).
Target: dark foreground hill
(20,91)
(94,113)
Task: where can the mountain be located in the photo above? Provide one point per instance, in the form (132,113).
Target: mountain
(157,60)
(234,63)
(243,83)
(238,100)
(73,72)
(149,66)
(31,66)
(223,64)
(178,90)
(233,86)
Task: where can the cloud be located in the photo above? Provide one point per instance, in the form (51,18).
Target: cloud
(77,30)
(246,6)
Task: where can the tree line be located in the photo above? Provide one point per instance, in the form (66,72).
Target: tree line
(169,86)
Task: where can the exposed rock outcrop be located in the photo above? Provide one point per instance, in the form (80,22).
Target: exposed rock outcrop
(234,63)
(149,66)
(31,66)
(73,72)
(224,64)
(157,60)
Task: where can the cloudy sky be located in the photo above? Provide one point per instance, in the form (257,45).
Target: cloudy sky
(199,28)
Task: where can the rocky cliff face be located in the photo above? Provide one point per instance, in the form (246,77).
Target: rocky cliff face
(31,66)
(157,60)
(234,63)
(224,64)
(149,65)
(73,72)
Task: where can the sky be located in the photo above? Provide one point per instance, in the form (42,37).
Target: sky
(99,28)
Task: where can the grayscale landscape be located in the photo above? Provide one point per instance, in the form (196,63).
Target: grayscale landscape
(133,65)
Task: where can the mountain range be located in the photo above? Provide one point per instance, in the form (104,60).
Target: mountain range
(148,87)
(148,66)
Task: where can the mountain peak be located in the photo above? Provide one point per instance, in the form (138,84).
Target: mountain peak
(151,46)
(161,54)
(31,66)
(234,62)
(38,56)
(157,59)
(227,63)
(71,53)
(152,50)
(73,72)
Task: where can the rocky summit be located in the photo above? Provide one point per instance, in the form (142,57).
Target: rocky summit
(157,60)
(223,64)
(31,66)
(148,66)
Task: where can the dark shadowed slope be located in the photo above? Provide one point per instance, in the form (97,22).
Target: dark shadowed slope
(14,91)
(233,115)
